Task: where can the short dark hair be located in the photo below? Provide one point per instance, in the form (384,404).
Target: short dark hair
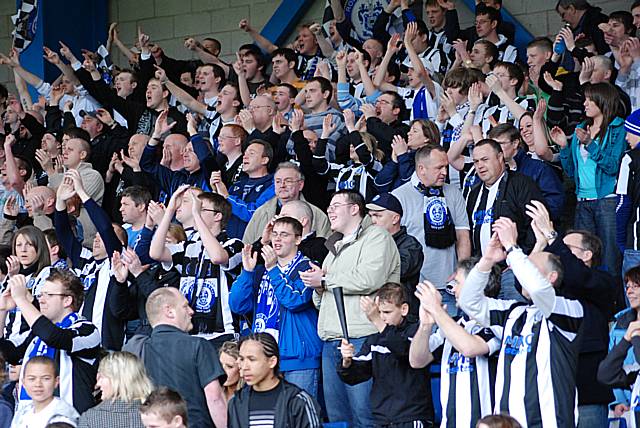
(71,283)
(355,198)
(43,360)
(138,194)
(288,54)
(74,132)
(491,50)
(293,91)
(625,18)
(492,289)
(217,72)
(325,85)
(506,129)
(23,163)
(397,102)
(52,239)
(216,43)
(483,9)
(295,224)
(393,69)
(635,4)
(219,203)
(543,43)
(633,274)
(590,242)
(267,149)
(393,293)
(269,346)
(489,142)
(425,151)
(554,264)
(167,404)
(514,71)
(462,78)
(577,4)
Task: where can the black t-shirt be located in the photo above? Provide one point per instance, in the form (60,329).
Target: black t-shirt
(262,407)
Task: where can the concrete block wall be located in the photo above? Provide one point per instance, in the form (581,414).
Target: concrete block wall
(168,22)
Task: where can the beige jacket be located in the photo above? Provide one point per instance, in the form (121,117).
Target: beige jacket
(361,267)
(91,180)
(265,213)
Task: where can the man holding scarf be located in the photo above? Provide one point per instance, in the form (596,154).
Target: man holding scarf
(435,214)
(59,332)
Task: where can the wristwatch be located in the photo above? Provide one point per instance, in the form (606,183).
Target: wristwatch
(511,248)
(551,235)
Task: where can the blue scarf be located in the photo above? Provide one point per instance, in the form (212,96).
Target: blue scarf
(267,316)
(41,349)
(420,105)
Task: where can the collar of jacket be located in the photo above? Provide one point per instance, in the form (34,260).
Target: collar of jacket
(337,236)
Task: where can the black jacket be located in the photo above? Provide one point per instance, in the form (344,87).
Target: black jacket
(294,408)
(595,290)
(384,133)
(515,192)
(385,358)
(411,260)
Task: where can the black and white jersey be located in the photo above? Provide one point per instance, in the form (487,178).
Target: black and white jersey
(439,53)
(537,366)
(206,285)
(96,278)
(506,51)
(408,94)
(497,114)
(628,189)
(466,384)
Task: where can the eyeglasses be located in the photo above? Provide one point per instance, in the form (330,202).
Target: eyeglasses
(632,286)
(209,210)
(281,235)
(45,295)
(252,108)
(333,207)
(227,137)
(287,182)
(575,246)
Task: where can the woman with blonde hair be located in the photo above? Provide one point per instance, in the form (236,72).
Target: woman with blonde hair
(228,355)
(124,384)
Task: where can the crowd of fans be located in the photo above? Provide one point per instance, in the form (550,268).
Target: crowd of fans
(326,231)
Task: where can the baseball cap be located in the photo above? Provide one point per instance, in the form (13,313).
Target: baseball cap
(385,201)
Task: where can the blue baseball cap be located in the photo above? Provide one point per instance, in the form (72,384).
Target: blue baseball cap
(385,201)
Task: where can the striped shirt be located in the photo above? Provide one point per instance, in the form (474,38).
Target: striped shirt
(628,190)
(500,113)
(536,374)
(466,384)
(205,284)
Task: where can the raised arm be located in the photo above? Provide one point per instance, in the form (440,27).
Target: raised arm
(181,95)
(262,41)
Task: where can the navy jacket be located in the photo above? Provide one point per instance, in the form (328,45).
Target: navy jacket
(547,180)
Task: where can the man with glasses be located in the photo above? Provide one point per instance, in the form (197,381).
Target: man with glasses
(258,118)
(289,182)
(58,331)
(362,258)
(274,295)
(205,276)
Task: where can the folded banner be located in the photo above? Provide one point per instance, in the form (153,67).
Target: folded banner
(25,24)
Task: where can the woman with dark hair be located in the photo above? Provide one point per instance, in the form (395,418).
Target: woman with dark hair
(30,257)
(592,158)
(266,396)
(402,165)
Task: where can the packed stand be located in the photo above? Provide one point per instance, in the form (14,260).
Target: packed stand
(422,227)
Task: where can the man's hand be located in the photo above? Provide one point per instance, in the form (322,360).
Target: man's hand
(447,4)
(50,56)
(11,208)
(66,190)
(348,351)
(249,258)
(475,96)
(155,212)
(313,277)
(266,232)
(244,25)
(430,298)
(492,254)
(341,59)
(118,268)
(190,43)
(66,52)
(368,110)
(410,34)
(540,217)
(192,124)
(556,85)
(177,196)
(394,44)
(448,104)
(238,67)
(196,204)
(132,163)
(245,119)
(105,117)
(507,231)
(161,75)
(328,127)
(269,256)
(161,127)
(77,182)
(349,120)
(620,409)
(399,146)
(296,122)
(132,262)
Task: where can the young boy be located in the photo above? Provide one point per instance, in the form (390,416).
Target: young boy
(281,304)
(40,381)
(385,358)
(164,408)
